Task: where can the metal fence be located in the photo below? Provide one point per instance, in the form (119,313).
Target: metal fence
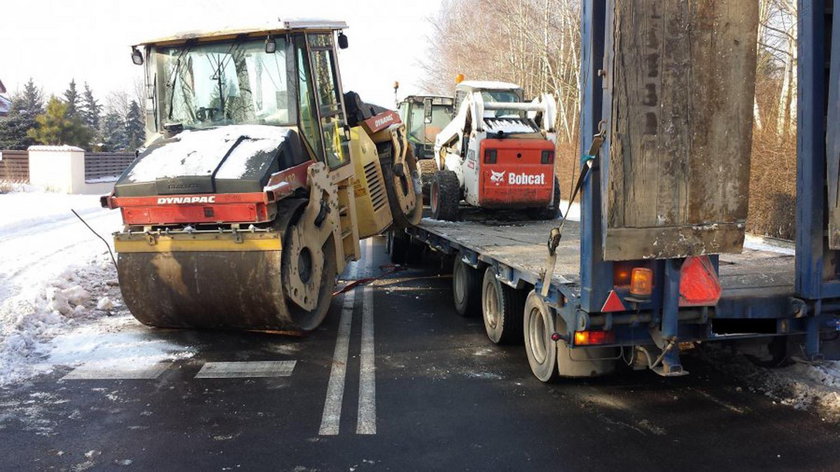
(106,166)
(14,166)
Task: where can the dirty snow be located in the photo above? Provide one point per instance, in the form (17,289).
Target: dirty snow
(198,153)
(507,126)
(57,278)
(803,385)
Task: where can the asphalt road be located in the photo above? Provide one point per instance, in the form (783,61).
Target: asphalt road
(395,380)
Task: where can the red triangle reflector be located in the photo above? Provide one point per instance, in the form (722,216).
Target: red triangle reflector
(613,303)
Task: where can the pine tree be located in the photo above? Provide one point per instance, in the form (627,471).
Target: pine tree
(89,108)
(56,127)
(71,98)
(134,126)
(26,105)
(113,132)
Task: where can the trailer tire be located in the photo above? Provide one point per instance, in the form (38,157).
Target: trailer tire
(538,326)
(445,195)
(501,308)
(551,212)
(466,288)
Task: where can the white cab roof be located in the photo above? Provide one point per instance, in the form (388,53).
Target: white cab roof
(489,85)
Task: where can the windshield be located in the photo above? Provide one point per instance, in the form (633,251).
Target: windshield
(235,82)
(506,96)
(427,132)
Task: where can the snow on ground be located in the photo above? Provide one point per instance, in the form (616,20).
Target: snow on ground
(56,278)
(801,384)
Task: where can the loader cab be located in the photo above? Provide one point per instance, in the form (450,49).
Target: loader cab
(491,91)
(285,76)
(424,117)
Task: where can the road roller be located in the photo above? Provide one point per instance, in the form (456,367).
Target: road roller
(257,181)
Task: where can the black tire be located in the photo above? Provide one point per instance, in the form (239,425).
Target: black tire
(466,288)
(502,308)
(551,212)
(445,195)
(538,326)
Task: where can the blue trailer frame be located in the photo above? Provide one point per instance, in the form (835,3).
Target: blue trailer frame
(810,307)
(818,61)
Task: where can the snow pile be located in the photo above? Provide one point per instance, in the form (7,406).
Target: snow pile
(113,343)
(802,385)
(39,312)
(53,275)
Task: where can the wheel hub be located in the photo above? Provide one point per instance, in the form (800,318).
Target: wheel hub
(537,334)
(491,307)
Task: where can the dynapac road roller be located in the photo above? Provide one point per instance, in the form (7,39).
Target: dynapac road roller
(258,180)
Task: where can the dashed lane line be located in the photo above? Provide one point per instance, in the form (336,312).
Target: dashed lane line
(366,421)
(235,370)
(335,388)
(108,371)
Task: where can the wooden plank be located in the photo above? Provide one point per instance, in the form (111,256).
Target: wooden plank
(14,166)
(683,80)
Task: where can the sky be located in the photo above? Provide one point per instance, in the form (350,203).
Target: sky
(54,41)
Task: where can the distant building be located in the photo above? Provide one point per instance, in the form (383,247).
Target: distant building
(5,103)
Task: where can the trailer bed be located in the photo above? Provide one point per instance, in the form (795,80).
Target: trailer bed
(521,245)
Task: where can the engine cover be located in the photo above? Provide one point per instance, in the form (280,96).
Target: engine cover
(227,159)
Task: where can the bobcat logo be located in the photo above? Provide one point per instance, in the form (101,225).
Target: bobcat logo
(497,177)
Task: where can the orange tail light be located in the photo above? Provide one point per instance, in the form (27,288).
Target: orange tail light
(641,282)
(588,338)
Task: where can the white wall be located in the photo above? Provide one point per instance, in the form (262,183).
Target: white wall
(62,169)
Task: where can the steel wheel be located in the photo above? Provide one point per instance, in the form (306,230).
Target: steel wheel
(502,310)
(541,350)
(466,288)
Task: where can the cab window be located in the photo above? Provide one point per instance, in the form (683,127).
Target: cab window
(322,58)
(306,99)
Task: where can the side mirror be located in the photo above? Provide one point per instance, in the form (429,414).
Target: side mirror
(342,40)
(136,56)
(270,45)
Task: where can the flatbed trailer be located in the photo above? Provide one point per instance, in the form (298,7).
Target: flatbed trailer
(678,222)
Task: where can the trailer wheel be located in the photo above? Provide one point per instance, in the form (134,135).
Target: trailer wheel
(551,212)
(538,326)
(502,309)
(466,288)
(445,195)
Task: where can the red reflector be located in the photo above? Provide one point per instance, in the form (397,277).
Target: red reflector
(613,303)
(585,338)
(699,283)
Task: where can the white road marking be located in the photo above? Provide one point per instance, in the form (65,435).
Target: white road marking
(335,388)
(235,370)
(367,373)
(108,371)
